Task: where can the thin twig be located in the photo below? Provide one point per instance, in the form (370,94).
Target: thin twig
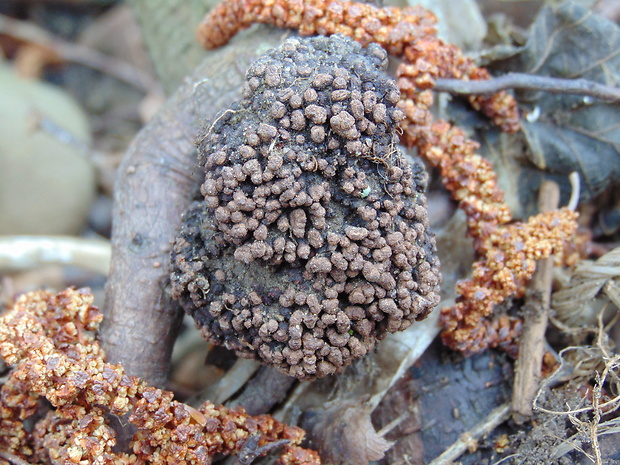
(250,450)
(393,424)
(12,458)
(611,404)
(596,401)
(498,416)
(86,56)
(532,342)
(601,354)
(508,457)
(22,252)
(268,388)
(575,184)
(233,381)
(530,82)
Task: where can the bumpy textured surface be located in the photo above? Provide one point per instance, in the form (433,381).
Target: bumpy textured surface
(311,241)
(49,340)
(410,34)
(511,252)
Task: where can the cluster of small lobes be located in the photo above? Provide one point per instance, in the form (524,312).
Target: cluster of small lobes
(311,240)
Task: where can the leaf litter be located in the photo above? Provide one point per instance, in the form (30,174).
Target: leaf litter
(569,134)
(573,133)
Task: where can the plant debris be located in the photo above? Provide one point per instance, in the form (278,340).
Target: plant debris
(393,405)
(572,132)
(592,286)
(47,337)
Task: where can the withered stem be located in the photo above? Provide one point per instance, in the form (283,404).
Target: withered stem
(536,309)
(530,82)
(497,416)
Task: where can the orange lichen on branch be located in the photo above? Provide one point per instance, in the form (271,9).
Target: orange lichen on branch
(48,337)
(469,177)
(430,58)
(391,27)
(511,252)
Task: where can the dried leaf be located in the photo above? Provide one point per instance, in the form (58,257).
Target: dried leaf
(593,287)
(573,133)
(345,435)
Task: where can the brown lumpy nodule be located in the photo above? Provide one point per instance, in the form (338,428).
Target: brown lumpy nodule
(312,239)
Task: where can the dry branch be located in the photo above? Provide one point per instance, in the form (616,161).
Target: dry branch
(498,416)
(86,56)
(530,82)
(532,341)
(157,180)
(21,252)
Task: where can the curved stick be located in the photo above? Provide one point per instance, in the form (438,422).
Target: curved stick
(156,181)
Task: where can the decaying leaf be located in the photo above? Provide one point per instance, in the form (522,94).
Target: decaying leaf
(573,133)
(594,287)
(561,133)
(345,434)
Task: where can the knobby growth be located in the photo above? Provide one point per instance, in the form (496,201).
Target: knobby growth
(311,240)
(507,251)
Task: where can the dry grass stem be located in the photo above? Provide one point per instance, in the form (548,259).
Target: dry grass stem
(591,363)
(498,416)
(67,51)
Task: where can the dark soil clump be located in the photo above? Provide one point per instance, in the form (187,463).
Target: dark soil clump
(312,239)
